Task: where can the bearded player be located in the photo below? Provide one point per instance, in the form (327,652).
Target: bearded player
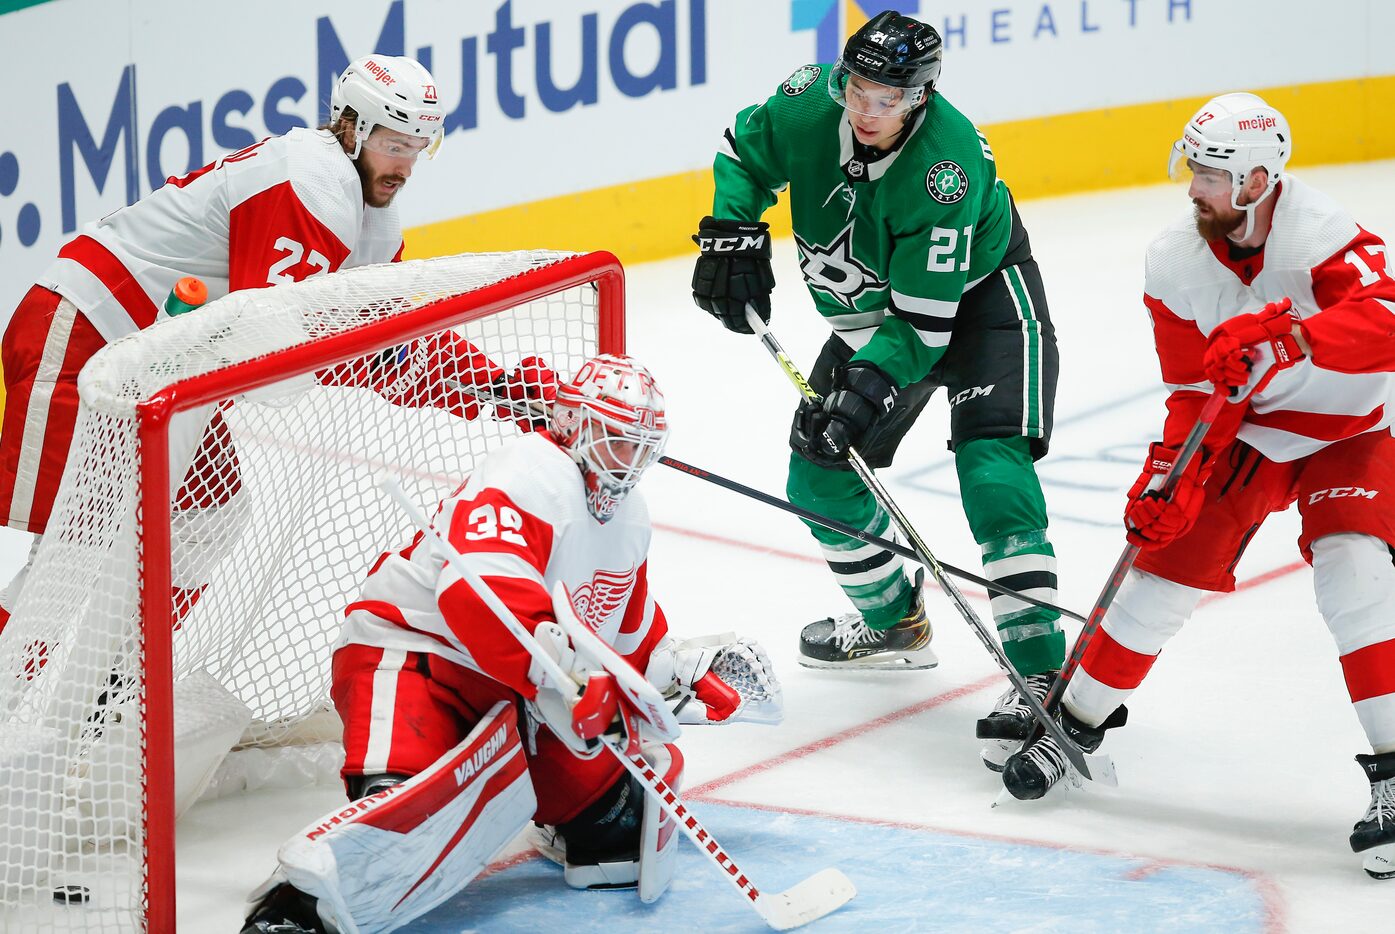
(1271,290)
(282,210)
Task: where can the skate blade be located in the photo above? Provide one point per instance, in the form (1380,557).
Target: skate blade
(1379,861)
(905,661)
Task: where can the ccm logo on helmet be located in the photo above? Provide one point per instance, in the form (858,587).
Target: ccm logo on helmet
(1256,123)
(381,73)
(730,244)
(1339,492)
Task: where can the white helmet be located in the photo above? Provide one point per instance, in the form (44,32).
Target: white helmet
(1236,133)
(610,419)
(389,91)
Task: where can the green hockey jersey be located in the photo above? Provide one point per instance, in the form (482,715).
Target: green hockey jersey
(888,242)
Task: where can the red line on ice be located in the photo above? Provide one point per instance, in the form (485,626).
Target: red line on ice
(1269,892)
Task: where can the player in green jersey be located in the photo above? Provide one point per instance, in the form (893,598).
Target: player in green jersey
(914,253)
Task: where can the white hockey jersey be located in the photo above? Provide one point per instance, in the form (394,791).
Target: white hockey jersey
(521,523)
(1342,289)
(281,210)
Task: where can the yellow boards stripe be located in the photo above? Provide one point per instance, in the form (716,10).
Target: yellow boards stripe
(1335,121)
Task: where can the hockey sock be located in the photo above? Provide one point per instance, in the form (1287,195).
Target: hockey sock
(873,578)
(1007,513)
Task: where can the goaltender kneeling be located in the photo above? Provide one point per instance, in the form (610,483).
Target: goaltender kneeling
(429,681)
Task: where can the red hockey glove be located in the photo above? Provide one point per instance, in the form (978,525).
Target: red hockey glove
(1152,521)
(438,370)
(531,389)
(1230,355)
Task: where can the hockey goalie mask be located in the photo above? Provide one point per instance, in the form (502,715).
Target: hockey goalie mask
(1235,134)
(392,92)
(610,419)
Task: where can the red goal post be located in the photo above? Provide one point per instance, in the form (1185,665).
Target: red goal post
(259,595)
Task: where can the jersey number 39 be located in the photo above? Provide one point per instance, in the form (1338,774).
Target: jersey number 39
(505,524)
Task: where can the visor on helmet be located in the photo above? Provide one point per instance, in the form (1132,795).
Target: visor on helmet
(863,96)
(1207,180)
(395,145)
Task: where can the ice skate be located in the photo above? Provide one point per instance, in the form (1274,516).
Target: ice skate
(1374,835)
(848,642)
(1009,723)
(1034,770)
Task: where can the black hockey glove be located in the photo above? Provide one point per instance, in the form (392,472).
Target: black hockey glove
(734,269)
(862,395)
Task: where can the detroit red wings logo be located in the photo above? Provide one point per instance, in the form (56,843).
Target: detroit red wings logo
(595,602)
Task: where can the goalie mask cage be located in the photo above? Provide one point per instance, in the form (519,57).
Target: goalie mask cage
(217,513)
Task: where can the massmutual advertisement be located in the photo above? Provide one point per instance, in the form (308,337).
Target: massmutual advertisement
(592,124)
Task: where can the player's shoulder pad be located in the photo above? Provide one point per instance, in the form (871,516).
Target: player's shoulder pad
(538,476)
(1309,227)
(325,181)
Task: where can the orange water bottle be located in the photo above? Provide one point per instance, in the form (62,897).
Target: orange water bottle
(188,293)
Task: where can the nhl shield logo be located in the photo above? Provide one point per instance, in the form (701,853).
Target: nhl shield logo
(946,182)
(801,80)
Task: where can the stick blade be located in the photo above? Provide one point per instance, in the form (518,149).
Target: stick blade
(1102,770)
(820,894)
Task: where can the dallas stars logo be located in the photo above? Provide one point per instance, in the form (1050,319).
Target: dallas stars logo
(946,182)
(833,269)
(801,80)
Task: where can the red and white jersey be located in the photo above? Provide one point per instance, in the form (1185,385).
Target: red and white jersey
(521,523)
(1342,290)
(282,210)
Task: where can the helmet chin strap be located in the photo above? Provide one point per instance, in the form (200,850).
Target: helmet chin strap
(1249,209)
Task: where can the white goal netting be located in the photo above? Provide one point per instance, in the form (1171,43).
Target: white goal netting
(273,520)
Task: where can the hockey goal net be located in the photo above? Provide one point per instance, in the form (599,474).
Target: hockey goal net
(217,513)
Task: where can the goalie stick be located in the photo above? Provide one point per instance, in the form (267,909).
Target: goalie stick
(806,901)
(1092,767)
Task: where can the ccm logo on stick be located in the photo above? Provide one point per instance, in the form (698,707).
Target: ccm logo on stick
(1338,492)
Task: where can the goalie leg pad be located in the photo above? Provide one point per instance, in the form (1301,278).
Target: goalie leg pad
(382,861)
(604,853)
(659,834)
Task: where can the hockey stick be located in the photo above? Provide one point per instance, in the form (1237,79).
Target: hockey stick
(854,532)
(1092,767)
(531,408)
(806,901)
(1214,403)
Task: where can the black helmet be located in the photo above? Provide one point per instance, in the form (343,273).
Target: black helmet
(896,51)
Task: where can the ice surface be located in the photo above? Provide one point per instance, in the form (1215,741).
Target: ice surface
(1237,788)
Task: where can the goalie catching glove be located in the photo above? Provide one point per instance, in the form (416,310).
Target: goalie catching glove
(717,679)
(734,269)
